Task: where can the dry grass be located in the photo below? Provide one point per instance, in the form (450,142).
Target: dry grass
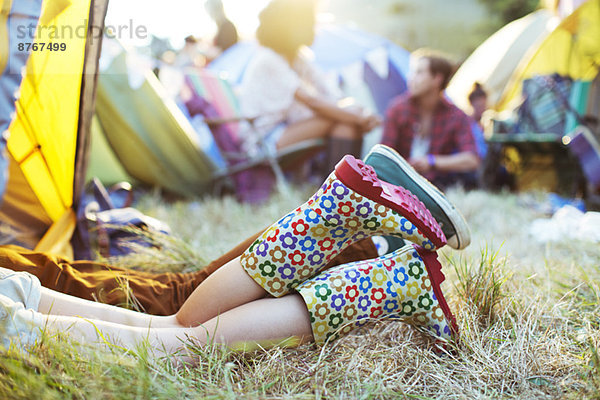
(529,316)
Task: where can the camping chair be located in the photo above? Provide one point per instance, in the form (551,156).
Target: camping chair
(216,101)
(534,148)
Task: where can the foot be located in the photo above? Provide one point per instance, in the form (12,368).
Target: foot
(393,168)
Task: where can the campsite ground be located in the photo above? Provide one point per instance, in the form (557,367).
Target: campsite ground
(529,315)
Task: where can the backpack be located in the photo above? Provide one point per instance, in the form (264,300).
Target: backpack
(545,105)
(106,223)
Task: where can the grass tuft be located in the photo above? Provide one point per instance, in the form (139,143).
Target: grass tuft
(480,283)
(154,251)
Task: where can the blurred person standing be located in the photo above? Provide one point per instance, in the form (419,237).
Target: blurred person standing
(425,128)
(478,100)
(227,34)
(493,174)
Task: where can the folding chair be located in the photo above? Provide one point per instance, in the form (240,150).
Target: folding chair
(215,99)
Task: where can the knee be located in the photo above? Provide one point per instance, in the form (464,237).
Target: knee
(183,319)
(344,130)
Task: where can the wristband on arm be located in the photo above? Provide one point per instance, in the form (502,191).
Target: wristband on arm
(431,160)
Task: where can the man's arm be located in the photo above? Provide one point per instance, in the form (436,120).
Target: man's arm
(459,162)
(464,160)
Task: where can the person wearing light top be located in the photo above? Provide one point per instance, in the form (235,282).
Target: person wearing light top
(289,95)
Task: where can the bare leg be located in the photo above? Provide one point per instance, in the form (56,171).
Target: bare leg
(262,321)
(228,287)
(345,139)
(311,128)
(56,303)
(269,319)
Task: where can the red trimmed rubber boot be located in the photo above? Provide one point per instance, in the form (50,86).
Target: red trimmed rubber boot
(403,285)
(351,205)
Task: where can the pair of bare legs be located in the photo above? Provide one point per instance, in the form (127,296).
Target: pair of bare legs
(229,307)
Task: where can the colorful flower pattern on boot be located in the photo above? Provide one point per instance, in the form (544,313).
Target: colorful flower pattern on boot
(352,204)
(372,290)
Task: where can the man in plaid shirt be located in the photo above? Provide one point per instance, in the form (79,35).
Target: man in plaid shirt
(429,131)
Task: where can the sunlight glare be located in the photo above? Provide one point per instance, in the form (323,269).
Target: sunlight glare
(177,19)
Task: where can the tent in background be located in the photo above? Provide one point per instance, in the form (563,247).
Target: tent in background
(141,132)
(361,62)
(494,61)
(368,67)
(48,136)
(103,162)
(572,49)
(552,111)
(357,58)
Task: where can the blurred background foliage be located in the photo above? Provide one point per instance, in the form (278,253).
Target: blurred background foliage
(456,27)
(509,10)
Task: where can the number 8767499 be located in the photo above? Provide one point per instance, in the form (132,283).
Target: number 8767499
(51,46)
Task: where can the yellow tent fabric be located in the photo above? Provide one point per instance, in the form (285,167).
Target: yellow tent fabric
(494,61)
(572,49)
(44,137)
(47,160)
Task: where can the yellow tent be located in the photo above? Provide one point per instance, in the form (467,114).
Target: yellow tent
(494,61)
(572,49)
(47,138)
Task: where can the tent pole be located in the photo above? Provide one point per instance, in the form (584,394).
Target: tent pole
(87,98)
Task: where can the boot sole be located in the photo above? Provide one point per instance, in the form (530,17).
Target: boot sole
(362,178)
(434,269)
(462,233)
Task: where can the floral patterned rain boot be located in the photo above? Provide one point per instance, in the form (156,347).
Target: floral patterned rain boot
(351,205)
(403,285)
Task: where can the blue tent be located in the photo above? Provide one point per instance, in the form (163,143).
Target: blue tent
(353,55)
(21,14)
(381,64)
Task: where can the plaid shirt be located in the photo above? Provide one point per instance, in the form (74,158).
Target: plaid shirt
(450,129)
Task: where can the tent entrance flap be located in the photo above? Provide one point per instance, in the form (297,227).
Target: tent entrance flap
(57,239)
